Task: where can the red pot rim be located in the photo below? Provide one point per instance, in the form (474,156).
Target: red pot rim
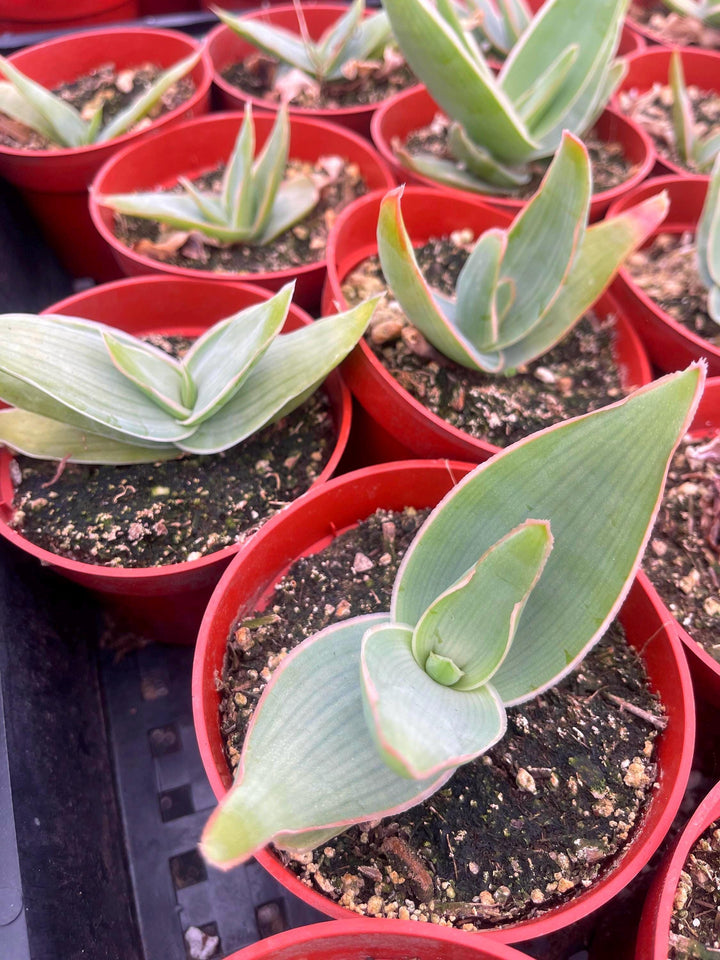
(599,202)
(321,130)
(664,803)
(654,931)
(202,88)
(150,575)
(383,380)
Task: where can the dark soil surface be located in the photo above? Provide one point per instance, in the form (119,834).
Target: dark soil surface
(148,515)
(576,376)
(695,924)
(528,825)
(372,82)
(340,183)
(652,110)
(609,166)
(107,87)
(667,271)
(683,560)
(674,29)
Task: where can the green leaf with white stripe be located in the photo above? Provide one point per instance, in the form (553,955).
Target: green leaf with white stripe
(707,241)
(68,127)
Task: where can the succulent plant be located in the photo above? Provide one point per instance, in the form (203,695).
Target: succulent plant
(559,75)
(512,578)
(89,393)
(706,11)
(699,151)
(521,289)
(254,204)
(54,118)
(500,23)
(708,243)
(354,37)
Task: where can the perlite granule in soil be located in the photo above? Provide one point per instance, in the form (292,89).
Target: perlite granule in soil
(529,825)
(695,922)
(576,376)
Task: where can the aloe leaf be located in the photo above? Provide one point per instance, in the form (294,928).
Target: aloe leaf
(16,106)
(206,202)
(338,776)
(446,172)
(682,111)
(46,439)
(279,43)
(537,100)
(516,16)
(598,480)
(367,41)
(156,373)
(293,201)
(408,285)
(142,104)
(476,314)
(292,365)
(499,585)
(269,169)
(481,164)
(421,728)
(467,94)
(218,365)
(331,47)
(173,209)
(543,240)
(706,150)
(59,367)
(237,188)
(709,228)
(69,128)
(492,26)
(448,12)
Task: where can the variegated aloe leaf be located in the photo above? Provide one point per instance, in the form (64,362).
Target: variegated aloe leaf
(254,204)
(67,126)
(501,22)
(708,242)
(700,151)
(705,10)
(311,766)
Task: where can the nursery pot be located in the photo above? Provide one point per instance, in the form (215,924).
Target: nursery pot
(393,423)
(361,939)
(414,109)
(166,601)
(226,48)
(671,346)
(309,525)
(651,66)
(654,931)
(26,16)
(199,146)
(54,182)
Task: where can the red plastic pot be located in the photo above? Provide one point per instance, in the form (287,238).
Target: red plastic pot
(168,601)
(26,16)
(671,346)
(55,182)
(415,108)
(361,939)
(392,422)
(651,66)
(200,145)
(309,525)
(226,48)
(654,932)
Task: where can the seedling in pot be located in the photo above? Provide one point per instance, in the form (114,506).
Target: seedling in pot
(522,289)
(510,581)
(693,149)
(88,393)
(706,11)
(254,204)
(52,117)
(559,76)
(707,242)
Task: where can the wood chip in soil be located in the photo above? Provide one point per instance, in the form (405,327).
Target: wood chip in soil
(673,28)
(652,110)
(148,515)
(576,376)
(107,87)
(367,82)
(667,271)
(340,183)
(610,167)
(683,559)
(531,824)
(695,921)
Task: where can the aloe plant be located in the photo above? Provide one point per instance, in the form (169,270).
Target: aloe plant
(512,578)
(522,289)
(254,204)
(52,117)
(707,11)
(695,150)
(500,23)
(559,76)
(354,37)
(707,243)
(89,393)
